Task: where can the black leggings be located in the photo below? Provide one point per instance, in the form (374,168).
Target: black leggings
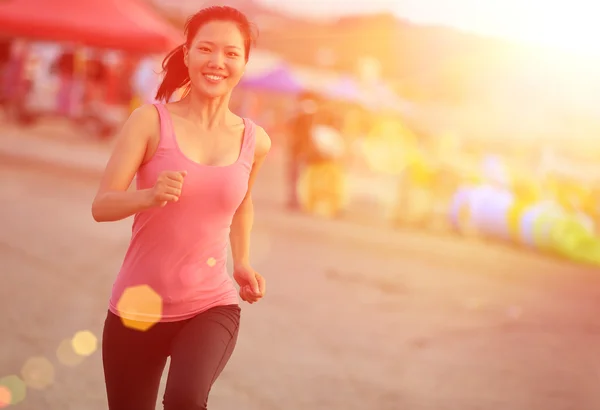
(134,360)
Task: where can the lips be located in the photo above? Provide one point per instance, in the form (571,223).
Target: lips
(214,78)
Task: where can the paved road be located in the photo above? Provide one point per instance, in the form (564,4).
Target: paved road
(427,324)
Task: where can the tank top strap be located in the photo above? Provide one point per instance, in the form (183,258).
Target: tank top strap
(247,152)
(167,132)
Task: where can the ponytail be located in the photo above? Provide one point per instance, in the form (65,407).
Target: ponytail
(176,74)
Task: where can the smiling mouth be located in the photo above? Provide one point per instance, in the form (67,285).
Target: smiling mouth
(214,77)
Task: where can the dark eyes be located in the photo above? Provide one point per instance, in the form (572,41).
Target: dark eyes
(207,50)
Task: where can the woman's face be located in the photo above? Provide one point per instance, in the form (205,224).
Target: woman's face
(215,58)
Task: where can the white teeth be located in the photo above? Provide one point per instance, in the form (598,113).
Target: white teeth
(214,77)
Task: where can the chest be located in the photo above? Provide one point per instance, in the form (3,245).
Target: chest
(205,188)
(212,148)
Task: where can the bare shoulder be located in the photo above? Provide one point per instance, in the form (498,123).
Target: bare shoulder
(131,148)
(142,127)
(144,117)
(263,143)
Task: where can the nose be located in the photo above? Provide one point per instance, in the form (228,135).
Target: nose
(216,60)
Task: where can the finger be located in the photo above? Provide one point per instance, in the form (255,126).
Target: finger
(183,173)
(173,183)
(253,284)
(174,176)
(168,198)
(247,295)
(247,292)
(262,284)
(248,299)
(173,191)
(244,294)
(251,298)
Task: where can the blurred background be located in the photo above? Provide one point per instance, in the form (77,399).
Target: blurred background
(428,219)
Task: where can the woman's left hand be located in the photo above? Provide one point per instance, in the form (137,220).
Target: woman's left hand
(252,284)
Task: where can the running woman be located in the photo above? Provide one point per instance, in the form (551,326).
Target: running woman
(196,163)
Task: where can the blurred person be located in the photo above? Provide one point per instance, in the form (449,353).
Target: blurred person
(298,147)
(322,181)
(15,84)
(95,111)
(196,163)
(64,68)
(5,57)
(96,76)
(93,102)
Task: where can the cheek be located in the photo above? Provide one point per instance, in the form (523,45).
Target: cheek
(236,69)
(195,63)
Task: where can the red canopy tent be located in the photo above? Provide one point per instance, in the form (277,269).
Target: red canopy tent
(127,25)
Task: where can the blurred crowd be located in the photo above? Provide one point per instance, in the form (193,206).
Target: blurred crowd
(84,85)
(342,155)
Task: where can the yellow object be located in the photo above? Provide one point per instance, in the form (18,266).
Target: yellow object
(513,219)
(572,239)
(542,229)
(322,188)
(140,307)
(84,343)
(420,172)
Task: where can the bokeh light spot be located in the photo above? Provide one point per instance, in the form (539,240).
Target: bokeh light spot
(66,354)
(211,262)
(38,373)
(5,397)
(140,307)
(17,390)
(84,343)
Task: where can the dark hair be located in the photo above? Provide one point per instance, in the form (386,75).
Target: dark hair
(175,71)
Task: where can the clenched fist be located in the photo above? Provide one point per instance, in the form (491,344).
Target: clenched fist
(167,188)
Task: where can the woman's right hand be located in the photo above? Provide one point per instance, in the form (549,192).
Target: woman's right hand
(167,188)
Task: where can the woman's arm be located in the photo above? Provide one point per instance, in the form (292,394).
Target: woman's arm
(114,201)
(243,219)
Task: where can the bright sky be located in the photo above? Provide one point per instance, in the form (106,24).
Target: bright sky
(566,24)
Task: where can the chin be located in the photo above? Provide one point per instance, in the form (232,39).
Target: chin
(213,92)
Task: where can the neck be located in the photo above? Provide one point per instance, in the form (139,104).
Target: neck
(210,113)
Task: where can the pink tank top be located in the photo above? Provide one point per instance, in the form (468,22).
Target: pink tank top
(175,266)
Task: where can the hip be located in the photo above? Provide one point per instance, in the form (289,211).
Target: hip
(150,302)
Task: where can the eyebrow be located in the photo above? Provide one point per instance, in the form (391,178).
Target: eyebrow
(212,44)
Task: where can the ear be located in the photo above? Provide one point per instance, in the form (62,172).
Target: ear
(186,55)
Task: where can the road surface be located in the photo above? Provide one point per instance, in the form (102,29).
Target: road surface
(426,324)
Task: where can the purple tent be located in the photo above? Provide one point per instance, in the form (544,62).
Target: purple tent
(281,80)
(346,89)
